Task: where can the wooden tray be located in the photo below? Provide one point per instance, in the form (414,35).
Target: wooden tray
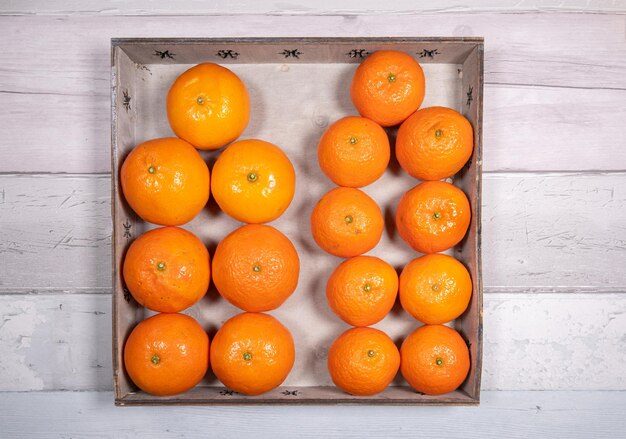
(297,87)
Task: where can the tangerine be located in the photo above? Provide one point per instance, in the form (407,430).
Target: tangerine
(208,106)
(167,269)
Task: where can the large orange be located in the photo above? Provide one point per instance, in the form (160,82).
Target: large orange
(252,353)
(167,269)
(354,151)
(253,181)
(165,181)
(167,354)
(388,87)
(433,216)
(435,359)
(363,361)
(435,288)
(362,290)
(434,143)
(346,222)
(256,268)
(208,106)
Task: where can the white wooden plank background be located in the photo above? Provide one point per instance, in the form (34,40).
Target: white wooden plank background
(573,84)
(511,415)
(554,226)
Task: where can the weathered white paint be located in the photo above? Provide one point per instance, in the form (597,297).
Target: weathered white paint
(300,7)
(554,97)
(55,233)
(531,341)
(501,414)
(541,232)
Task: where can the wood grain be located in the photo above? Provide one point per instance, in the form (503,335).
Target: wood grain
(531,342)
(541,232)
(515,415)
(323,7)
(553,97)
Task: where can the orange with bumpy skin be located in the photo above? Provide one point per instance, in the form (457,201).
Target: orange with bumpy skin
(167,354)
(256,268)
(346,222)
(435,288)
(362,290)
(434,143)
(252,353)
(363,361)
(167,269)
(388,87)
(208,106)
(253,181)
(433,216)
(354,152)
(165,181)
(435,359)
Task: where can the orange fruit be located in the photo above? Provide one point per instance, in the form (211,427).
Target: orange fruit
(253,181)
(435,359)
(435,288)
(167,269)
(165,181)
(346,222)
(256,268)
(208,106)
(363,361)
(353,152)
(434,143)
(388,87)
(252,353)
(433,216)
(167,354)
(362,290)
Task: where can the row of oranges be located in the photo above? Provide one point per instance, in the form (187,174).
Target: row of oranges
(432,143)
(168,269)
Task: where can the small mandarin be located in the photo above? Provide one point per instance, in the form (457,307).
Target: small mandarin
(363,361)
(362,290)
(252,353)
(167,354)
(435,359)
(354,152)
(435,288)
(256,268)
(208,106)
(434,143)
(433,216)
(253,181)
(388,87)
(167,269)
(346,222)
(165,181)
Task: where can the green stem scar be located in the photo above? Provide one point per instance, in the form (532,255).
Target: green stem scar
(348,219)
(435,287)
(247,356)
(391,77)
(155,359)
(439,361)
(367,288)
(252,177)
(256,268)
(354,140)
(200,100)
(161,266)
(151,169)
(437,215)
(371,353)
(438,133)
